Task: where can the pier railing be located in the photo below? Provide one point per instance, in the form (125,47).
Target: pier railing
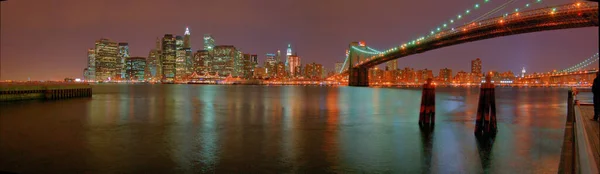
(577,154)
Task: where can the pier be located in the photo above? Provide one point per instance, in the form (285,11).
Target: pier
(43,91)
(581,146)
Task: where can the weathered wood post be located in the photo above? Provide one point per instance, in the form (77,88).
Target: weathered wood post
(427,111)
(485,124)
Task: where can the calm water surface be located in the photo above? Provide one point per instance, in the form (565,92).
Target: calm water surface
(298,129)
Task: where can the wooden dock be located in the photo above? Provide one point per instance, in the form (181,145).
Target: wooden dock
(44,91)
(581,145)
(591,128)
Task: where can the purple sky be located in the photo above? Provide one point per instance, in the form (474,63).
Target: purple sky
(46,40)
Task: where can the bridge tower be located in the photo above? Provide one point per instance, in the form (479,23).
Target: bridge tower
(358,76)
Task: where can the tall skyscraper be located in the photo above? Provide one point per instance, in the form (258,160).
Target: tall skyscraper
(270,64)
(287,55)
(223,59)
(209,42)
(123,55)
(476,67)
(278,56)
(181,59)
(254,59)
(186,38)
(168,58)
(201,62)
(293,63)
(107,53)
(153,65)
(135,68)
(392,65)
(90,74)
(313,71)
(523,72)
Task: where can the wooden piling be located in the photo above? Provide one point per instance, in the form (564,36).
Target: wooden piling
(427,111)
(485,123)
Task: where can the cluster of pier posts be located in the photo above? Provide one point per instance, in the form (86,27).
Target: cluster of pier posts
(16,92)
(485,124)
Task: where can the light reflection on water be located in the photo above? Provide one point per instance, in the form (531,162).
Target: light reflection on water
(196,128)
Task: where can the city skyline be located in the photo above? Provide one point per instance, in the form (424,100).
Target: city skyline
(324,47)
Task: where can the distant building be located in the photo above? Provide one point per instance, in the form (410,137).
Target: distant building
(168,58)
(107,54)
(391,65)
(313,71)
(293,63)
(260,73)
(90,74)
(201,62)
(254,59)
(338,67)
(248,67)
(123,55)
(523,72)
(287,55)
(153,65)
(209,42)
(280,71)
(186,38)
(445,75)
(270,64)
(135,68)
(476,67)
(223,57)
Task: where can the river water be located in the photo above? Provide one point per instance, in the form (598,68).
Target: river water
(279,129)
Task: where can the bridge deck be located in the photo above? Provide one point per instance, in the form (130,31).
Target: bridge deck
(592,128)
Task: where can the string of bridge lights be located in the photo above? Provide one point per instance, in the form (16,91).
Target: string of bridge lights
(443,27)
(581,65)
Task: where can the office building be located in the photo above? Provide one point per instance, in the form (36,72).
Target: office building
(445,75)
(135,68)
(209,42)
(107,54)
(123,55)
(223,59)
(168,58)
(201,62)
(391,65)
(293,63)
(90,74)
(476,67)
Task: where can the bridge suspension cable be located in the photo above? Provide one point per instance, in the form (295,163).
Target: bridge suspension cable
(581,65)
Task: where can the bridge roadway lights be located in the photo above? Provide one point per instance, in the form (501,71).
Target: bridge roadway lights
(359,77)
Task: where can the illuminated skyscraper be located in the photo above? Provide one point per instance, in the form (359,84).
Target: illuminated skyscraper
(186,38)
(223,60)
(135,68)
(123,55)
(209,42)
(107,53)
(168,58)
(476,67)
(254,60)
(181,59)
(153,65)
(90,74)
(201,62)
(270,64)
(293,63)
(313,71)
(278,56)
(523,72)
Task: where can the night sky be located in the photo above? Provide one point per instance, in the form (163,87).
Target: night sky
(48,40)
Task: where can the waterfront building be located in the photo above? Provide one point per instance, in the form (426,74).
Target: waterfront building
(135,68)
(248,67)
(476,67)
(270,64)
(293,63)
(313,71)
(168,58)
(153,65)
(260,73)
(223,57)
(445,75)
(280,71)
(201,62)
(123,55)
(107,53)
(90,73)
(209,42)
